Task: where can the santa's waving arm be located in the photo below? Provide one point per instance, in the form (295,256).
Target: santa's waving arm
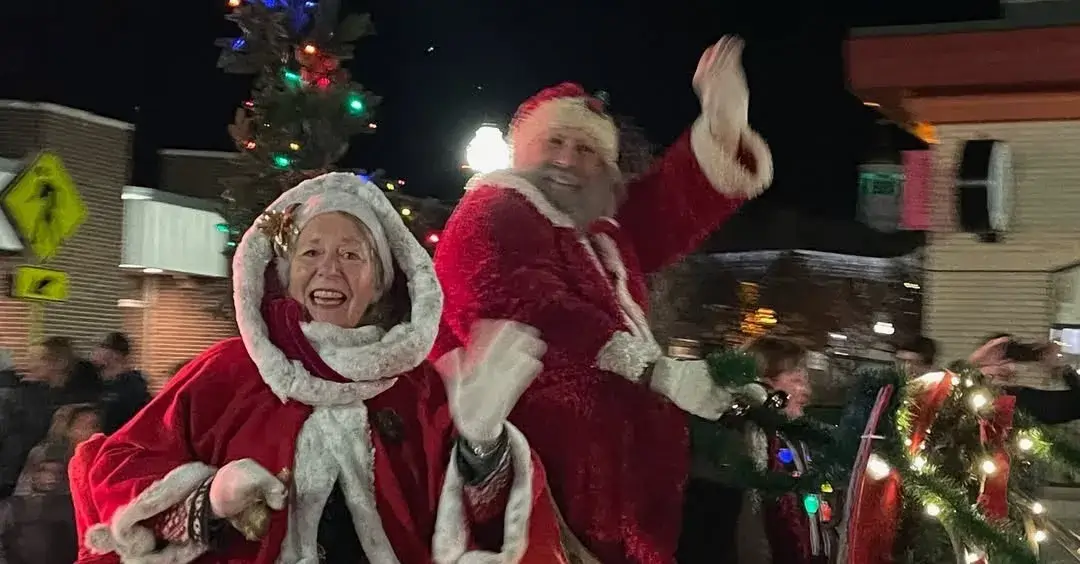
(705,176)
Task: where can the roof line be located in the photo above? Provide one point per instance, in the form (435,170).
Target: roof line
(51,108)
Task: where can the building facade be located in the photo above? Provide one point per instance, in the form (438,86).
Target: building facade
(97,153)
(145,261)
(1013,80)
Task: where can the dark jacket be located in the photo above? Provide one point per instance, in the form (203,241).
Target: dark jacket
(1050,407)
(26,412)
(122,397)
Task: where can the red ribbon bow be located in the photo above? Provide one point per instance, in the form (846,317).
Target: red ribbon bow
(994,433)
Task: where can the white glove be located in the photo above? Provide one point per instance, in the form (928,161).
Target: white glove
(721,86)
(688,384)
(484,382)
(241,484)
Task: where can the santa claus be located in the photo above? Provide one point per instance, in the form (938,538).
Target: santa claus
(321,434)
(563,242)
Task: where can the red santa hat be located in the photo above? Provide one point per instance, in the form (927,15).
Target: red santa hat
(566,105)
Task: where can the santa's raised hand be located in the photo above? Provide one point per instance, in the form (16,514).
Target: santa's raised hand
(721,86)
(485,380)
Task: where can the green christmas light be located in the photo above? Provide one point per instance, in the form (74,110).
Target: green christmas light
(282,161)
(355,104)
(291,76)
(222,227)
(811,503)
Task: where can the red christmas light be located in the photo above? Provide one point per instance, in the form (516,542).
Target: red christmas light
(432,238)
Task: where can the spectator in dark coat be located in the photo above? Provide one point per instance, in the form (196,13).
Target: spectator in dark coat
(38,526)
(26,409)
(8,376)
(125,390)
(997,359)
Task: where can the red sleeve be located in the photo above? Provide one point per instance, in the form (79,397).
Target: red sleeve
(148,466)
(689,192)
(499,259)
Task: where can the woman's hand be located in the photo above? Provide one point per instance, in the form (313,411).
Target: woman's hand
(484,381)
(241,484)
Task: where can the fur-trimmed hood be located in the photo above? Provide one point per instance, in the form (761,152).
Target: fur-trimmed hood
(365,356)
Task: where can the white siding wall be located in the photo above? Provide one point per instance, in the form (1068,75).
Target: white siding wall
(974,289)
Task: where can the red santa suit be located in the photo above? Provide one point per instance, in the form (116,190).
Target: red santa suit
(277,395)
(616,453)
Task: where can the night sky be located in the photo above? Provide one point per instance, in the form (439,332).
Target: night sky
(153,63)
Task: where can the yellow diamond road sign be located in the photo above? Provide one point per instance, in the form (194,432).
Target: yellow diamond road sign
(44,205)
(35,283)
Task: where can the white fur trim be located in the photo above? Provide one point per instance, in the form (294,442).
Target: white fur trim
(334,445)
(371,367)
(573,113)
(134,543)
(626,353)
(450,542)
(721,167)
(509,180)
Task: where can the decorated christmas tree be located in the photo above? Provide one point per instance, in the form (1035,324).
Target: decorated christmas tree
(304,106)
(303,109)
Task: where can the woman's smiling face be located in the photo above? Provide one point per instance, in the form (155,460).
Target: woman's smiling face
(333,270)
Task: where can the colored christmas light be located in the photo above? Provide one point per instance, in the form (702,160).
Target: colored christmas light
(811,503)
(785,456)
(282,161)
(234,3)
(291,77)
(826,488)
(355,104)
(432,238)
(239,44)
(310,49)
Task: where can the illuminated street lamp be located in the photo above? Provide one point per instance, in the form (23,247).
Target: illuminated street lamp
(488,151)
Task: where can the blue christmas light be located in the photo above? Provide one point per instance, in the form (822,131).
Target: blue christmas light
(785,456)
(364,177)
(239,44)
(309,5)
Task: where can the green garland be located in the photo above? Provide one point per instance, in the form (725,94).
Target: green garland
(942,475)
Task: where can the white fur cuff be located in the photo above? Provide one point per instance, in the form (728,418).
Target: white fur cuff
(723,169)
(135,543)
(627,355)
(451,539)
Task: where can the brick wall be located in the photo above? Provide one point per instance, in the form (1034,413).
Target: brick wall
(97,154)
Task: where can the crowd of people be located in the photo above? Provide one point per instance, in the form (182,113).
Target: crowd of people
(48,407)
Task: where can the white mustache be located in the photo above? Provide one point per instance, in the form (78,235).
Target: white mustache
(562,177)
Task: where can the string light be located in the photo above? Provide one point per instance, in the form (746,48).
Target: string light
(1037,508)
(877,468)
(1040,536)
(310,49)
(933,509)
(406,212)
(373,125)
(294,146)
(390,186)
(1025,443)
(979,400)
(249,145)
(234,3)
(988,467)
(918,463)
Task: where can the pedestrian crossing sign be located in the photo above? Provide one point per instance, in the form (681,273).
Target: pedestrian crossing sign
(41,284)
(43,205)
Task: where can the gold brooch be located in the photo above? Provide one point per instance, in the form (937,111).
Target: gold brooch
(280,227)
